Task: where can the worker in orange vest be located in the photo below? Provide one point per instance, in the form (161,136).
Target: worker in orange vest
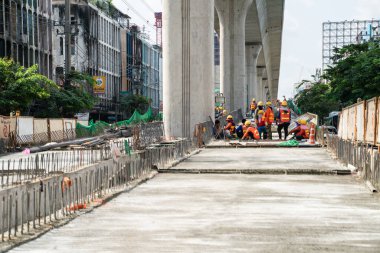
(284,117)
(251,132)
(301,131)
(269,118)
(253,107)
(230,127)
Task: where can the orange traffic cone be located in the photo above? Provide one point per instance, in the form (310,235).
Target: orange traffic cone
(312,134)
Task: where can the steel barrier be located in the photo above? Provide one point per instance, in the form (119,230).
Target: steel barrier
(37,202)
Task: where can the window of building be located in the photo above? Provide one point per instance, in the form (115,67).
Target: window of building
(61,46)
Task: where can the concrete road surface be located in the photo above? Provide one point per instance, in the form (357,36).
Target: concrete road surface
(261,159)
(227,213)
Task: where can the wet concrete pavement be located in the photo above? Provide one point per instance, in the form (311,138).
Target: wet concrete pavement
(227,213)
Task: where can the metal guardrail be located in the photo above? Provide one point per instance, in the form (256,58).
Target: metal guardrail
(38,202)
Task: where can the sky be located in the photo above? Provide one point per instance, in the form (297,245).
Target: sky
(302,34)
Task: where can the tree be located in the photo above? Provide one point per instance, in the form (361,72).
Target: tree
(355,72)
(317,99)
(67,102)
(20,86)
(130,103)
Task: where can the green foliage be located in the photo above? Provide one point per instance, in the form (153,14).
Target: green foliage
(355,73)
(130,103)
(67,102)
(317,100)
(20,86)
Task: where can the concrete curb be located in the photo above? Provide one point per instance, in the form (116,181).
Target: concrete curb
(43,229)
(258,171)
(259,146)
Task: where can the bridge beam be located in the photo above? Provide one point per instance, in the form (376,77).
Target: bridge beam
(188,59)
(232,15)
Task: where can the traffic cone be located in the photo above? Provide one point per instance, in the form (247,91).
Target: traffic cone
(312,134)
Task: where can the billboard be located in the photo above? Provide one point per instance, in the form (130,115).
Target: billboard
(100,84)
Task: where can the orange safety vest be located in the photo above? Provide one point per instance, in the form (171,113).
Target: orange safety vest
(284,116)
(254,131)
(269,116)
(231,127)
(253,106)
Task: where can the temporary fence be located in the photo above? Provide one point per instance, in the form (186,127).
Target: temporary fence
(362,156)
(38,202)
(361,122)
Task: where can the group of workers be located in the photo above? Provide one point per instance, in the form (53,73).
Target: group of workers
(263,116)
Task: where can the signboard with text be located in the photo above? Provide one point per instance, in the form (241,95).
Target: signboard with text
(100,84)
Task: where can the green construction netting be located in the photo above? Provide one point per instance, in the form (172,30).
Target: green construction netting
(290,143)
(137,118)
(98,127)
(92,129)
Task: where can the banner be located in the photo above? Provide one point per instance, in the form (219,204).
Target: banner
(7,126)
(99,85)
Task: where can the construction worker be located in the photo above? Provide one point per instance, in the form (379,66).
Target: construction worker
(251,132)
(302,131)
(260,106)
(218,130)
(269,118)
(241,129)
(260,122)
(253,107)
(230,128)
(284,117)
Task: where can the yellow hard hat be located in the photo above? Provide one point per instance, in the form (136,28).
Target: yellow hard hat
(302,121)
(260,103)
(220,108)
(284,103)
(229,117)
(253,100)
(248,123)
(260,112)
(269,103)
(224,112)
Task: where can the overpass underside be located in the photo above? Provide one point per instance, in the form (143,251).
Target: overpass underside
(250,33)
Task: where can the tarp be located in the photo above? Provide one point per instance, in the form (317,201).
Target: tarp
(137,118)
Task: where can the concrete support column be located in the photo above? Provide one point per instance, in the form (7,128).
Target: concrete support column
(188,60)
(260,87)
(232,15)
(265,89)
(252,53)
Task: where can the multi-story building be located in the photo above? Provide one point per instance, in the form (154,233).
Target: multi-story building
(339,34)
(95,49)
(25,33)
(141,67)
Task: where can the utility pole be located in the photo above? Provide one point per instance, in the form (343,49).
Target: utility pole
(67,32)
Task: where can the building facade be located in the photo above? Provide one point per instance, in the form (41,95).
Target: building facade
(95,49)
(25,33)
(141,67)
(339,34)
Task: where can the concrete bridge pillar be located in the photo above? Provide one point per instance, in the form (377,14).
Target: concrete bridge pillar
(252,53)
(232,15)
(188,60)
(265,89)
(260,87)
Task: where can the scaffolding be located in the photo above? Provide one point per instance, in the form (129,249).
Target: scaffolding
(339,34)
